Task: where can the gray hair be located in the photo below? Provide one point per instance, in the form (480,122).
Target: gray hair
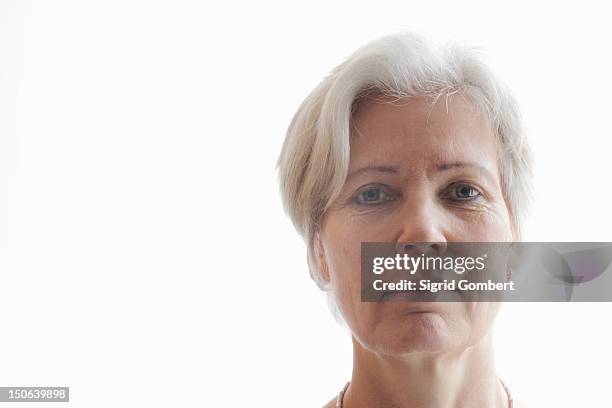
(314,161)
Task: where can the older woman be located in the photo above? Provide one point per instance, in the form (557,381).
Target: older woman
(407,142)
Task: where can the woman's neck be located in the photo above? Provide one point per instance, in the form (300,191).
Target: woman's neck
(462,379)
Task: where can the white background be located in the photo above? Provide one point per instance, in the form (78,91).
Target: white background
(144,255)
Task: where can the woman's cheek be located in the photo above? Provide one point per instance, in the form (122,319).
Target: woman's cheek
(490,225)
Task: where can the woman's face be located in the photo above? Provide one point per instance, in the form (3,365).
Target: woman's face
(418,173)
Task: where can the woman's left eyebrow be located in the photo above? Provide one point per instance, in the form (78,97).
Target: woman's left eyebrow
(458,164)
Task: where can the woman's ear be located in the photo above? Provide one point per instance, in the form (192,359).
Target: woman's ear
(321,258)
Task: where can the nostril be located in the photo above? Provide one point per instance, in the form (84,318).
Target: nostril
(417,248)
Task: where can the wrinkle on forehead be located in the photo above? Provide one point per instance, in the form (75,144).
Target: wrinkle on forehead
(422,132)
(425,104)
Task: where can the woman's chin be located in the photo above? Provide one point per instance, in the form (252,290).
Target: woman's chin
(422,331)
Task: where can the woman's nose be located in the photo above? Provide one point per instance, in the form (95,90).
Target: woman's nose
(418,248)
(422,229)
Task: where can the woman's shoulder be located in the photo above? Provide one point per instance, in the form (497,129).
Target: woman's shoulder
(331,403)
(516,403)
(338,398)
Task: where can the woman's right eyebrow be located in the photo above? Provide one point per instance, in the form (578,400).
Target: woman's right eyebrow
(379,169)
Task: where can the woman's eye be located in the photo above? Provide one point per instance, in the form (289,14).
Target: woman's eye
(372,195)
(464,192)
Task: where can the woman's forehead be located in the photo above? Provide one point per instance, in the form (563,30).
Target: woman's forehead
(445,131)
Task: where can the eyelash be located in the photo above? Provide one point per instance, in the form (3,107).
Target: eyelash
(477,196)
(390,197)
(371,187)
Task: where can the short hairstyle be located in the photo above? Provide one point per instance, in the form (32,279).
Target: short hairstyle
(314,160)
